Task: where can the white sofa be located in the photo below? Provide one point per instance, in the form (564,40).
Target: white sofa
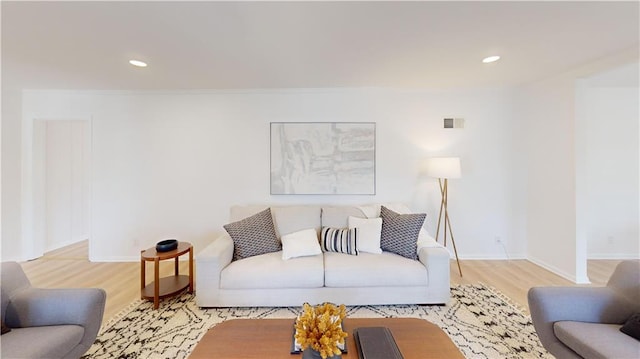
(268,280)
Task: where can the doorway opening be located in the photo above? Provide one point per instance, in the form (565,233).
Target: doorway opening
(608,171)
(61,183)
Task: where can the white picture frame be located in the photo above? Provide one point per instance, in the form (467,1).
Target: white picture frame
(323,158)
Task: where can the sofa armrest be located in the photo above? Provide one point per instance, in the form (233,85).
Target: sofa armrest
(219,252)
(584,304)
(34,307)
(437,261)
(209,264)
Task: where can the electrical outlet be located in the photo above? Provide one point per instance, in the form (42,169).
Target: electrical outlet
(135,243)
(500,242)
(610,239)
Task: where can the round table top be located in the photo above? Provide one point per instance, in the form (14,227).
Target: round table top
(151,254)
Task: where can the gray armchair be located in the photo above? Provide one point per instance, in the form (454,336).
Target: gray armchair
(584,322)
(47,323)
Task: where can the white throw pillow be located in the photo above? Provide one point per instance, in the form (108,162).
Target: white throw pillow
(369,236)
(300,244)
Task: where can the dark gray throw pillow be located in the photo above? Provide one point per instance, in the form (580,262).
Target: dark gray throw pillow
(632,326)
(253,235)
(5,329)
(400,232)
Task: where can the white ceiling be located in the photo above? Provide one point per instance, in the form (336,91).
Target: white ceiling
(248,45)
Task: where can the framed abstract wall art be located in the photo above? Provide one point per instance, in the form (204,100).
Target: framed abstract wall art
(323,158)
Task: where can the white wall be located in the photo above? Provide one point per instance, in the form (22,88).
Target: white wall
(554,164)
(12,245)
(170,164)
(612,178)
(550,174)
(550,161)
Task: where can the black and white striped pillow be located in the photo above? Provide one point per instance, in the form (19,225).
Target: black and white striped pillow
(341,240)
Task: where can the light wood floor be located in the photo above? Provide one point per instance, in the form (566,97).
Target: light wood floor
(69,267)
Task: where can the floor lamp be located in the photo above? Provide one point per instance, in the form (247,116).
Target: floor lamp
(444,168)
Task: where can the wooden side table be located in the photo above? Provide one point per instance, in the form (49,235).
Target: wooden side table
(165,287)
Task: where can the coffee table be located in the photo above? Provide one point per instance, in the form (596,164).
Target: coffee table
(271,338)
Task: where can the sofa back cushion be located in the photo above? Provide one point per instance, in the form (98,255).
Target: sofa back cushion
(286,219)
(291,219)
(338,216)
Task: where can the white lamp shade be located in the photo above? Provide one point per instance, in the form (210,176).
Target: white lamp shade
(442,167)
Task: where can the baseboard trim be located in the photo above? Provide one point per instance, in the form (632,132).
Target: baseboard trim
(63,244)
(481,257)
(558,271)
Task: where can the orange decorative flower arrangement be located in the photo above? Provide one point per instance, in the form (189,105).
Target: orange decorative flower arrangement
(320,328)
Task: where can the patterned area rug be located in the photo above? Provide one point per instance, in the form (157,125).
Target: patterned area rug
(480,321)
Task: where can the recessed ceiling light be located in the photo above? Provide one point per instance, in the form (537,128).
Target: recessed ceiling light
(138,63)
(489,59)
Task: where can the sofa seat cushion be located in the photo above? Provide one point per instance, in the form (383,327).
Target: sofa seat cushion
(268,271)
(597,340)
(372,270)
(54,341)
